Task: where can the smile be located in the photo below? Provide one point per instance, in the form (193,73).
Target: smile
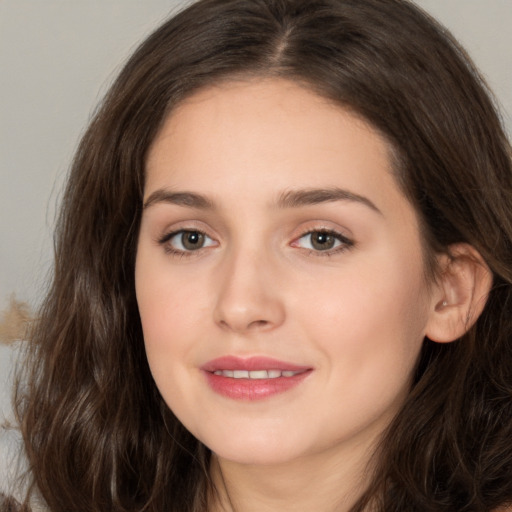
(253,378)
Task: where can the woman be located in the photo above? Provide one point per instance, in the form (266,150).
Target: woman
(283,274)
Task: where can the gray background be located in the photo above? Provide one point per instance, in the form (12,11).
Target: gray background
(57,58)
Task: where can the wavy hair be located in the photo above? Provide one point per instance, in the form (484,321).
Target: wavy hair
(96,432)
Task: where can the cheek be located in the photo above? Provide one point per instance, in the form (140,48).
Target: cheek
(370,318)
(169,307)
(169,310)
(369,335)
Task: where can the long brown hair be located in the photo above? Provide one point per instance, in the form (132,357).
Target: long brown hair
(96,431)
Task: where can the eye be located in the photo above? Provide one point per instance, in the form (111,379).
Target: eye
(187,241)
(323,241)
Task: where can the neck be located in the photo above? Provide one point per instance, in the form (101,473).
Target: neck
(325,482)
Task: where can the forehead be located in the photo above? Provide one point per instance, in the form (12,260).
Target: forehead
(249,136)
(246,102)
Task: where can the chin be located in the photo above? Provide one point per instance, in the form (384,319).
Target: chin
(256,457)
(254,449)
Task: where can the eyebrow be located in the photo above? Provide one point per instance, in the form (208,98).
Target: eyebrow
(313,196)
(288,199)
(188,199)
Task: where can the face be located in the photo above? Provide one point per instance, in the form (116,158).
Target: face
(279,274)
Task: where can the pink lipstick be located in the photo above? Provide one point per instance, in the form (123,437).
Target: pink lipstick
(254,378)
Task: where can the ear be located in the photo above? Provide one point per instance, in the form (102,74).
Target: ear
(459,295)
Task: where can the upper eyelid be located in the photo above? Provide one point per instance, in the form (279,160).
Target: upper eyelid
(169,233)
(185,225)
(165,242)
(345,244)
(328,230)
(195,225)
(173,232)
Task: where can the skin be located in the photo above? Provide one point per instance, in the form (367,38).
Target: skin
(357,314)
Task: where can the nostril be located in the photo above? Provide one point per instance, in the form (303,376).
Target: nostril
(258,323)
(245,326)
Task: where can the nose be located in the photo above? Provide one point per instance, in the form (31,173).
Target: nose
(249,298)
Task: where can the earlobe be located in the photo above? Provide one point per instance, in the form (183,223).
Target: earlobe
(459,295)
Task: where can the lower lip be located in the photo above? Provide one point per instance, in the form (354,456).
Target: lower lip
(253,389)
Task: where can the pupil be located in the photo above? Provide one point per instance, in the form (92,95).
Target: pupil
(322,241)
(192,240)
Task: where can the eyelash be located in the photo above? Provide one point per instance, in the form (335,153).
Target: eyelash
(345,243)
(169,249)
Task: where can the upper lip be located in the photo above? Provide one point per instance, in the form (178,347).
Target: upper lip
(251,364)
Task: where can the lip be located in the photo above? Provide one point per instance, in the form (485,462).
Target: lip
(250,364)
(252,389)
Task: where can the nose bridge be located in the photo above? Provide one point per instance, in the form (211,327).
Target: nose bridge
(248,291)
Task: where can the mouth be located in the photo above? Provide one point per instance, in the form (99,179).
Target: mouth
(257,374)
(254,378)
